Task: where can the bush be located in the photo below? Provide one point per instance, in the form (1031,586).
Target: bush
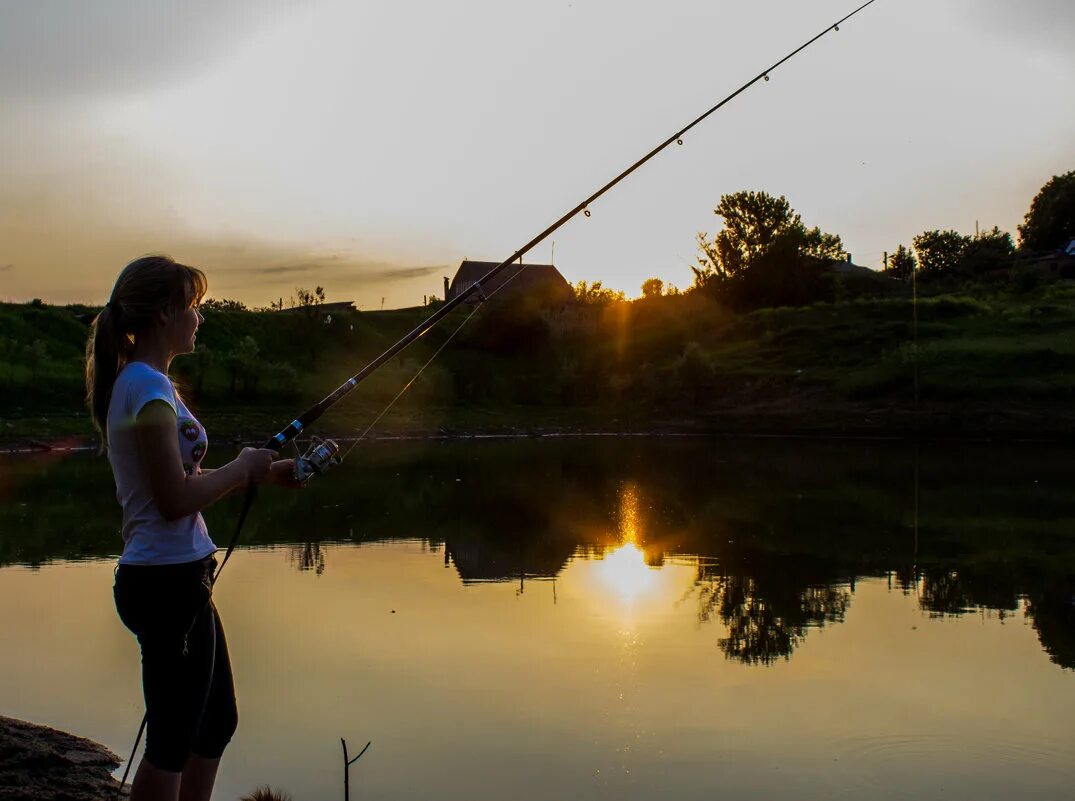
(949,307)
(282,378)
(694,372)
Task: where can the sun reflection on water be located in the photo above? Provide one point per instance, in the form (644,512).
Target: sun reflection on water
(624,573)
(622,570)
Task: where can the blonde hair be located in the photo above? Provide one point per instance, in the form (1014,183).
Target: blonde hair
(146,287)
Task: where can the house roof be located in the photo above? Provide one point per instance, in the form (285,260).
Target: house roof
(520,276)
(849,267)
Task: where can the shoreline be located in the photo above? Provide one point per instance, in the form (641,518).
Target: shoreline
(62,433)
(81,444)
(39,763)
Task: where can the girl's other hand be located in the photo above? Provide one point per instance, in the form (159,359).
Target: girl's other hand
(257,463)
(282,474)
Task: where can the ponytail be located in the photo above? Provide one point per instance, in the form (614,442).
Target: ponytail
(103,351)
(146,287)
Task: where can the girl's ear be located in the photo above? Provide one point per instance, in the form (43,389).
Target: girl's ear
(163,317)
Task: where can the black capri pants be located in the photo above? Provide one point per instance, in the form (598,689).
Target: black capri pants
(186,671)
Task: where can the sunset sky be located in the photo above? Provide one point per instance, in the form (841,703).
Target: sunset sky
(369,147)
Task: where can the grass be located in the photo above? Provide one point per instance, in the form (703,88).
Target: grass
(999,362)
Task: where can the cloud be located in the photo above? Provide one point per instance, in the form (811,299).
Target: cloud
(352,268)
(101,234)
(262,269)
(282,269)
(389,273)
(69,47)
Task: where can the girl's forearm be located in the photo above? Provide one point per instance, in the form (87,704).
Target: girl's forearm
(206,470)
(202,490)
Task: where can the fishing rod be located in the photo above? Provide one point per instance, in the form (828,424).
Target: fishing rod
(324,455)
(294,428)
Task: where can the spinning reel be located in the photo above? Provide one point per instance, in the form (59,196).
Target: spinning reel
(323,455)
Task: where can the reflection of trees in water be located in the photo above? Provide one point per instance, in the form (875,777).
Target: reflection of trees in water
(950,591)
(811,516)
(307,556)
(766,623)
(1053,614)
(944,594)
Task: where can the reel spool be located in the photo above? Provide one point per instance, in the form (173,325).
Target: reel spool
(323,455)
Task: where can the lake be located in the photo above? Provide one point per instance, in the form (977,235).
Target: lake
(591,618)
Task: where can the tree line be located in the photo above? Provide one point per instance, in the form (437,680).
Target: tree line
(765,255)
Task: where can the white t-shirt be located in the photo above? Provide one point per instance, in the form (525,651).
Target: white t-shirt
(149,539)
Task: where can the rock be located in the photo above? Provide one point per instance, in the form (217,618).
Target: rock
(39,763)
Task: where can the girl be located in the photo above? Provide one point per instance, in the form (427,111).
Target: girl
(164,577)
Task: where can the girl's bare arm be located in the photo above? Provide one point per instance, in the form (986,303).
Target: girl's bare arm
(175,493)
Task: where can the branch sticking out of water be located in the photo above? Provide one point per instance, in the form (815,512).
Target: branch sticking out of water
(347,763)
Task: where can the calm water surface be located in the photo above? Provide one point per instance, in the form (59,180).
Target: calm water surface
(594,618)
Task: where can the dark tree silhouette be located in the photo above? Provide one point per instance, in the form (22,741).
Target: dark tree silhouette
(940,251)
(901,264)
(1051,217)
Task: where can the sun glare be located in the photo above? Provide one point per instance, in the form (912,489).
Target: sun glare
(622,571)
(624,574)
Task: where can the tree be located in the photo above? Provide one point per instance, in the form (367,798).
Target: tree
(309,301)
(694,371)
(940,251)
(244,364)
(901,264)
(223,304)
(597,295)
(754,224)
(652,288)
(201,361)
(1051,217)
(989,250)
(283,377)
(309,304)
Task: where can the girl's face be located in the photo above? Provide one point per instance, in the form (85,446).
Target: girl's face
(184,328)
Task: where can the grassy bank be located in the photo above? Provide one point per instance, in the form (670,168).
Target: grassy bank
(992,364)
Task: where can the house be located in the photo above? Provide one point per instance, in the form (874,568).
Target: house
(848,267)
(537,280)
(478,557)
(1060,261)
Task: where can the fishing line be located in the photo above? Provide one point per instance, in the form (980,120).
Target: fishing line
(444,344)
(409,384)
